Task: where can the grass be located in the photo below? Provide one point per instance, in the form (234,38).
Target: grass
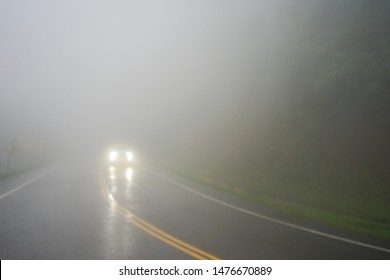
(336,210)
(10,173)
(16,171)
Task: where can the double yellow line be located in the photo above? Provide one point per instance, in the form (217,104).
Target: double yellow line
(151,229)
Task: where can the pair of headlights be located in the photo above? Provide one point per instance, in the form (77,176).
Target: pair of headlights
(114,155)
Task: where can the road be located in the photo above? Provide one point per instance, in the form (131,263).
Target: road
(84,210)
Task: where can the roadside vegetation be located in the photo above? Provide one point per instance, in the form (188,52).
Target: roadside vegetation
(19,157)
(339,211)
(323,150)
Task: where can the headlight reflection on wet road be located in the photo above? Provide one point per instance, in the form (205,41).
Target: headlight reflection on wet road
(119,181)
(120,189)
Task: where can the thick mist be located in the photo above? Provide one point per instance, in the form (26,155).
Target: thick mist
(271,100)
(156,73)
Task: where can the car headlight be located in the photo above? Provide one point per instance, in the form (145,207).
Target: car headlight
(113,155)
(129,174)
(129,156)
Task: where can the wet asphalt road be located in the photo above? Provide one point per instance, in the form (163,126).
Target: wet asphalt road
(83,210)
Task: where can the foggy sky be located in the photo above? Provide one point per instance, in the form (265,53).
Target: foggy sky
(143,70)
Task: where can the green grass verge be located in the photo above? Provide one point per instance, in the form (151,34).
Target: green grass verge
(13,172)
(354,223)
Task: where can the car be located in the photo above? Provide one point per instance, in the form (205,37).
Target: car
(120,155)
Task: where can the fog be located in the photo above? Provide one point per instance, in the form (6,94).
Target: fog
(174,76)
(148,72)
(287,99)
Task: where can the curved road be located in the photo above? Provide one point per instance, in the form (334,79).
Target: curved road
(79,210)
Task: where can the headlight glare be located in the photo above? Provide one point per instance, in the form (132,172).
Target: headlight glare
(129,156)
(113,155)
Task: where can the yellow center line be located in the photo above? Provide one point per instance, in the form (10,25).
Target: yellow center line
(151,229)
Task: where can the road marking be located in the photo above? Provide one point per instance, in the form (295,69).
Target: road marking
(24,185)
(268,218)
(151,229)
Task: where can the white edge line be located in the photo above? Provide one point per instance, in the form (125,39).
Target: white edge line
(313,231)
(24,184)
